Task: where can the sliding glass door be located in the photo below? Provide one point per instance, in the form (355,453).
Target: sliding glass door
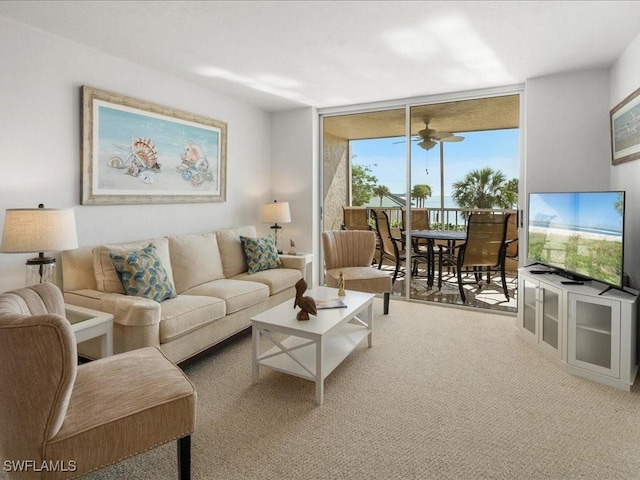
(427,166)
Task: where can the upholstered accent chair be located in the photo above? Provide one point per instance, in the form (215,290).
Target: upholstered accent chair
(76,419)
(351,252)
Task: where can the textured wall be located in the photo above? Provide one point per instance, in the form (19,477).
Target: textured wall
(335,178)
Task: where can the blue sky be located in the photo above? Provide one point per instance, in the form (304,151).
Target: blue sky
(587,209)
(498,149)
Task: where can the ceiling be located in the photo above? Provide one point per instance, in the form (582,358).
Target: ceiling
(462,116)
(279,55)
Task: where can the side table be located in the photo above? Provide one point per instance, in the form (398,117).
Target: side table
(87,324)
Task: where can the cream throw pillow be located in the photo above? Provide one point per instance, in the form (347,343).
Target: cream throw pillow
(107,279)
(234,261)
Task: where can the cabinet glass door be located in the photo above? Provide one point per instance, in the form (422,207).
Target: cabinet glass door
(550,317)
(594,332)
(529,293)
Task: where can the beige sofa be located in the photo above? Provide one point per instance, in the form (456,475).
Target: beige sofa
(216,296)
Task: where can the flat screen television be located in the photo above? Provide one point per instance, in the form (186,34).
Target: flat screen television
(579,235)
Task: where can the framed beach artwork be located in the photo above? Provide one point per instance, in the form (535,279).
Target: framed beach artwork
(137,152)
(625,130)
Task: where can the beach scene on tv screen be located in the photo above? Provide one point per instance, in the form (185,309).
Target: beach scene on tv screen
(578,232)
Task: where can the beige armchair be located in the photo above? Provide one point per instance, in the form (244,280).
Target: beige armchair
(351,252)
(60,420)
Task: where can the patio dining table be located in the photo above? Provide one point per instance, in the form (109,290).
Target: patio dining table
(450,236)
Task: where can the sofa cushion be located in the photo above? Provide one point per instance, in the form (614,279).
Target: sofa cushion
(107,279)
(261,253)
(195,260)
(277,279)
(237,294)
(142,274)
(184,314)
(231,252)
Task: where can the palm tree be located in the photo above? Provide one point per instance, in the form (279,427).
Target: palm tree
(381,191)
(485,188)
(420,192)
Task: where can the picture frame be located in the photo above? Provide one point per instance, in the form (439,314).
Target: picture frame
(625,129)
(138,152)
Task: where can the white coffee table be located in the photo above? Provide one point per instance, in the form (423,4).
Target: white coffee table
(314,347)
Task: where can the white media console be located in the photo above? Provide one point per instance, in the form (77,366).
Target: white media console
(587,332)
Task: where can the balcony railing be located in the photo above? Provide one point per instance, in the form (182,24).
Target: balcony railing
(454,218)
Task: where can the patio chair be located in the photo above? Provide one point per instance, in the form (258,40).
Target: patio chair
(393,248)
(82,418)
(482,253)
(419,219)
(511,253)
(355,218)
(351,253)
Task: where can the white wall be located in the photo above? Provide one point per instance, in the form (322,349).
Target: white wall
(566,125)
(40,119)
(625,79)
(295,177)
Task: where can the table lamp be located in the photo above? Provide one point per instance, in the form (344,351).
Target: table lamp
(28,230)
(276,213)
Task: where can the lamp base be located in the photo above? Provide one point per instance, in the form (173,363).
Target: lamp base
(40,270)
(276,228)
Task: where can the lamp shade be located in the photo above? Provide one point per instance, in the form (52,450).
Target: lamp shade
(28,230)
(276,212)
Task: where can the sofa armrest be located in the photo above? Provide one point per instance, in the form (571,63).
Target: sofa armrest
(131,310)
(295,263)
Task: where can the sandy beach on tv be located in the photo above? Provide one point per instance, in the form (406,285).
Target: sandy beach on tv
(570,233)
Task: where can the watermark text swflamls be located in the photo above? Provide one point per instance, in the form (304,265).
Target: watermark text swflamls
(39,466)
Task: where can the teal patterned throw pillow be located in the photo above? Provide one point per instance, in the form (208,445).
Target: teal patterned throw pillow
(143,275)
(261,253)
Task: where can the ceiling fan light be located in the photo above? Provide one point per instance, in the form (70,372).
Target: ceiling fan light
(427,144)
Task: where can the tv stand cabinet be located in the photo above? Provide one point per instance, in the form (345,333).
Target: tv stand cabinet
(583,330)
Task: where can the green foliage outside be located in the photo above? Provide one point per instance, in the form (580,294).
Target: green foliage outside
(362,185)
(586,256)
(381,191)
(420,193)
(486,188)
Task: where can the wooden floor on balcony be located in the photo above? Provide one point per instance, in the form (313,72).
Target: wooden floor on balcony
(487,296)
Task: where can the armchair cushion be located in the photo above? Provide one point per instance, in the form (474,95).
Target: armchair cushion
(131,402)
(361,279)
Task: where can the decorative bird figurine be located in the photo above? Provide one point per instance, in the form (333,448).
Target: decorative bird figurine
(307,304)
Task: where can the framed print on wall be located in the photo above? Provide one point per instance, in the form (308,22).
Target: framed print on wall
(625,130)
(137,152)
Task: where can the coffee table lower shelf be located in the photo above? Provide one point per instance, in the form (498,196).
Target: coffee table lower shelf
(299,359)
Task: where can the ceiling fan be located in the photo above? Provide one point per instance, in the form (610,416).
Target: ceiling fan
(429,137)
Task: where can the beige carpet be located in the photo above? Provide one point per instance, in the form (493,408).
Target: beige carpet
(443,394)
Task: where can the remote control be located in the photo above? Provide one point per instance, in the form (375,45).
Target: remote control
(571,282)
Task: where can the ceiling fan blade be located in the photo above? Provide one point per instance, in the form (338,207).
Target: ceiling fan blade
(414,138)
(452,138)
(441,135)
